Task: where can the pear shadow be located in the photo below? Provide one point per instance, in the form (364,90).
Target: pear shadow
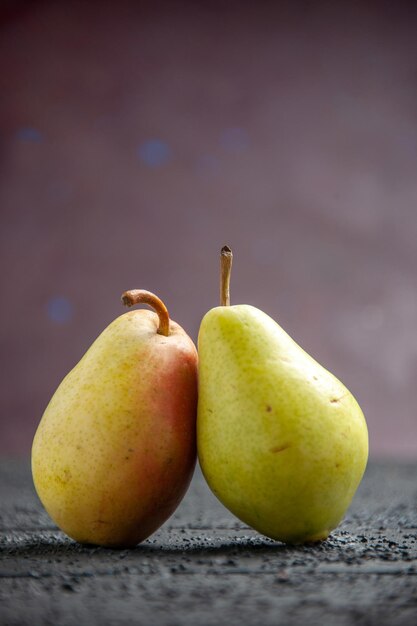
(62,547)
(243,546)
(228,549)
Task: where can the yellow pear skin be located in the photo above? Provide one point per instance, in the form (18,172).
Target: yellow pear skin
(281,442)
(115,449)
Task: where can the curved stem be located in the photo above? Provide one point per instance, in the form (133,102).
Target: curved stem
(226,259)
(141,296)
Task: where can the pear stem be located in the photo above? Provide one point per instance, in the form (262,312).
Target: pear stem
(226,260)
(141,296)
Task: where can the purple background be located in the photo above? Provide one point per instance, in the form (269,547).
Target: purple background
(138,138)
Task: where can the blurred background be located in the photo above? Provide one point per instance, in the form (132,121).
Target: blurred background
(139,137)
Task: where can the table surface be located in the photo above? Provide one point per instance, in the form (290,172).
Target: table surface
(205,567)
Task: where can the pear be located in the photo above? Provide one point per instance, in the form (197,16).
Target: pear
(281,442)
(115,449)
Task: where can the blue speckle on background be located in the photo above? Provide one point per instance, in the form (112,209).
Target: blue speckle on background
(154,152)
(60,309)
(29,134)
(234,139)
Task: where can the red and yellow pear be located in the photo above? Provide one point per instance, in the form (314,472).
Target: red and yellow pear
(115,450)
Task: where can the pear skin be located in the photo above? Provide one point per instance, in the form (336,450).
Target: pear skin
(115,450)
(281,442)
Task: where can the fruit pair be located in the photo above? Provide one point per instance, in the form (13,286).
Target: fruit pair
(282,443)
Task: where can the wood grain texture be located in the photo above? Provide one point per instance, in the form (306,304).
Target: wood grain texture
(205,567)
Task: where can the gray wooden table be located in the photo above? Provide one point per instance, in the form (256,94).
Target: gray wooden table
(204,567)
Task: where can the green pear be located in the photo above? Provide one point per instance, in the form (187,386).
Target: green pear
(115,450)
(281,442)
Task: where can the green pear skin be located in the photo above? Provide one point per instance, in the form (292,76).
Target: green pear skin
(115,450)
(281,442)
